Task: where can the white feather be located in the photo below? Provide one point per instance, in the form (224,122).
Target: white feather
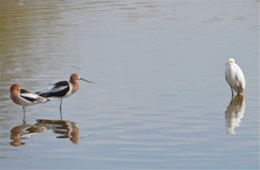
(35,97)
(234,76)
(29,95)
(57,89)
(53,89)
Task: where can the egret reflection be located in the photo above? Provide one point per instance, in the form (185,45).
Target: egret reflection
(64,128)
(235,113)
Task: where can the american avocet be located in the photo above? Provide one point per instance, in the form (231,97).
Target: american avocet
(63,89)
(25,98)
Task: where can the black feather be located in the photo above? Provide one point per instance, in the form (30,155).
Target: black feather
(61,83)
(29,99)
(23,91)
(58,93)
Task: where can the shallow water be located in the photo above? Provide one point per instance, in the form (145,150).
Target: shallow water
(159,99)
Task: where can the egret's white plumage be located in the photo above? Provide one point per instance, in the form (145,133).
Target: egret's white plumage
(235,77)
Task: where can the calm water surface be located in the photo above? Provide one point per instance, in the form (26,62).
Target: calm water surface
(159,99)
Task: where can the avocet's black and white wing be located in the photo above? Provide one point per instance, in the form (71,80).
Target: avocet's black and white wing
(28,98)
(59,89)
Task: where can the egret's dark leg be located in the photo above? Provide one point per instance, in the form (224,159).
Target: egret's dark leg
(232,92)
(23,114)
(238,90)
(61,108)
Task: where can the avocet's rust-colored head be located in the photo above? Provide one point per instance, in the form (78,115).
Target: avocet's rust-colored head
(75,76)
(15,87)
(14,93)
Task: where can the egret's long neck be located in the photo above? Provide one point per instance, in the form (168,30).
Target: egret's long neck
(232,62)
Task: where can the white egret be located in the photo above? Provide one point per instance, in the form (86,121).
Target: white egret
(235,77)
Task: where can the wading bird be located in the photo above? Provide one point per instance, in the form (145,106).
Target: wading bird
(235,77)
(25,98)
(63,89)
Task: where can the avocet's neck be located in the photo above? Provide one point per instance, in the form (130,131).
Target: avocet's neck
(14,94)
(75,85)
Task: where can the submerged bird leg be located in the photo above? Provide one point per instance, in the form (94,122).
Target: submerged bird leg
(23,114)
(232,92)
(240,90)
(61,108)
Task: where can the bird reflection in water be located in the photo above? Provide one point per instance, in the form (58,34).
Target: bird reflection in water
(25,131)
(234,113)
(65,129)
